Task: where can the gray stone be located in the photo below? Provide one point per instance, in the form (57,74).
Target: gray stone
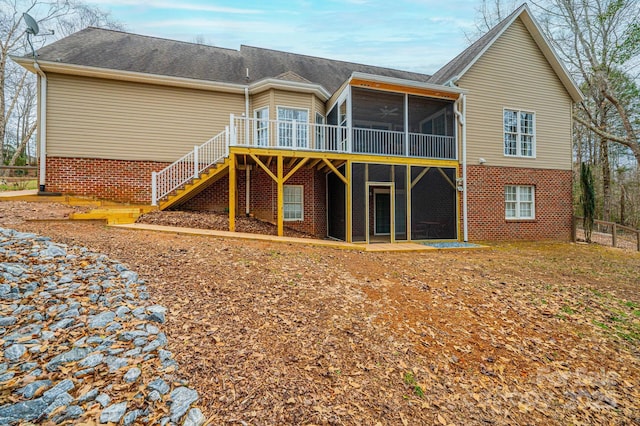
(113,413)
(7,321)
(14,352)
(129,277)
(65,279)
(14,269)
(155,344)
(62,387)
(75,354)
(47,335)
(140,341)
(131,335)
(116,363)
(84,372)
(95,340)
(194,418)
(139,313)
(73,312)
(102,319)
(131,417)
(159,385)
(30,390)
(22,411)
(88,396)
(132,375)
(133,353)
(61,400)
(63,323)
(164,355)
(152,329)
(154,396)
(7,376)
(71,412)
(103,399)
(113,327)
(92,360)
(181,400)
(54,250)
(156,313)
(4,289)
(27,366)
(115,351)
(122,311)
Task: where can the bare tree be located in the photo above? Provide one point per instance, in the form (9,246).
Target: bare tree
(17,94)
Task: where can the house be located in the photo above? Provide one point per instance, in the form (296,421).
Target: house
(480,150)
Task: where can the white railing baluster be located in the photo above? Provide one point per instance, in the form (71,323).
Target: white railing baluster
(196,165)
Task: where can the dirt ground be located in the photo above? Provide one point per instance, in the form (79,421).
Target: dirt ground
(272,333)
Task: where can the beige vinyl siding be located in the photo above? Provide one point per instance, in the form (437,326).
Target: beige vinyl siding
(98,118)
(319,106)
(513,74)
(260,100)
(292,100)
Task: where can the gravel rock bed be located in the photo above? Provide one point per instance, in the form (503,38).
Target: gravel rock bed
(80,343)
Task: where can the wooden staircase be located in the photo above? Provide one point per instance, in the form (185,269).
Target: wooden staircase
(196,185)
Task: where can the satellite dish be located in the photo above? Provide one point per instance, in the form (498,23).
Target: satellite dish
(32,25)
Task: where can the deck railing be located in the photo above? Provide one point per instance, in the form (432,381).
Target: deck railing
(189,166)
(275,134)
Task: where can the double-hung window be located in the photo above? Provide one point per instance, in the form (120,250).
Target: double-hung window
(519,202)
(519,133)
(293,127)
(262,126)
(293,202)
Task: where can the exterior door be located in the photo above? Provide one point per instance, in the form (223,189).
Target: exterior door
(382,212)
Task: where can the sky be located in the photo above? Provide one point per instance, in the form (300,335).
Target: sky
(413,35)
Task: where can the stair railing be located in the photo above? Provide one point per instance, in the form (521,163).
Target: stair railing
(189,166)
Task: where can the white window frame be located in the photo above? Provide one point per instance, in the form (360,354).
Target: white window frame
(301,202)
(519,135)
(261,128)
(518,202)
(302,128)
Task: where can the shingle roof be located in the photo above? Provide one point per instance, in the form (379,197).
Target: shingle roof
(460,62)
(95,47)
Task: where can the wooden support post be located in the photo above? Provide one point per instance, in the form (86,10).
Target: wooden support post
(347,173)
(280,181)
(232,192)
(614,235)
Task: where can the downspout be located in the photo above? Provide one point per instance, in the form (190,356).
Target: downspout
(42,130)
(246,114)
(247,198)
(462,120)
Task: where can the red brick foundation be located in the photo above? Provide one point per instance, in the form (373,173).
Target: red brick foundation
(117,180)
(553,204)
(264,197)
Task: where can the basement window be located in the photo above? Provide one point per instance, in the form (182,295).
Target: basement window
(293,202)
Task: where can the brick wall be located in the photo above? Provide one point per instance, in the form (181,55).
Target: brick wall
(553,204)
(264,198)
(117,180)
